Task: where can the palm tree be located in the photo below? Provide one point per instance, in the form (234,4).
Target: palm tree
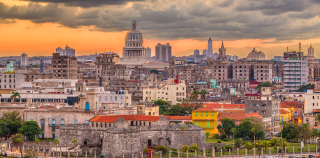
(37,141)
(182,129)
(74,141)
(18,141)
(253,130)
(265,144)
(56,141)
(195,94)
(317,118)
(14,96)
(207,136)
(248,145)
(233,130)
(203,94)
(220,129)
(274,142)
(238,142)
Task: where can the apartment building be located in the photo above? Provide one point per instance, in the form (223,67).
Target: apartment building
(241,70)
(262,72)
(295,70)
(171,93)
(64,67)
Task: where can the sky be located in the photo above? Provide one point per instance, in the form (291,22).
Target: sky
(38,27)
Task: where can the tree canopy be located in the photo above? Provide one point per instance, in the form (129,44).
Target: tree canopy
(30,129)
(163,106)
(184,107)
(302,88)
(227,125)
(264,84)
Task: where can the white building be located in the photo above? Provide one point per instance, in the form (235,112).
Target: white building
(295,70)
(255,55)
(119,97)
(312,101)
(172,92)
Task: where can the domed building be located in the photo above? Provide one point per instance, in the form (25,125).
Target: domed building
(133,52)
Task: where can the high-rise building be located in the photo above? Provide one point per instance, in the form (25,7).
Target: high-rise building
(255,55)
(163,52)
(148,53)
(196,52)
(204,52)
(66,52)
(209,50)
(295,70)
(64,67)
(24,59)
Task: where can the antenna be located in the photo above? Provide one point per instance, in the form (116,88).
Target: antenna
(299,46)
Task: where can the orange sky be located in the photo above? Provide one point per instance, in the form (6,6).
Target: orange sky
(42,39)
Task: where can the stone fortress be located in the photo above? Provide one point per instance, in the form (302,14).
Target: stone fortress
(125,134)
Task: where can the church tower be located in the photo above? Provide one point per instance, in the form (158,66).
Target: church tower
(310,51)
(222,54)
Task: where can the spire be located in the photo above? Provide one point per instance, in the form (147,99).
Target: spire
(299,46)
(222,46)
(134,25)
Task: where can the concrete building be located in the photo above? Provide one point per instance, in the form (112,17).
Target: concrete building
(67,51)
(115,97)
(241,71)
(267,106)
(209,50)
(12,78)
(148,53)
(170,93)
(295,70)
(24,59)
(255,55)
(196,52)
(163,52)
(312,101)
(64,67)
(262,72)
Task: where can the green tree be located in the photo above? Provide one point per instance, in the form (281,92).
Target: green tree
(195,94)
(248,145)
(56,141)
(74,141)
(204,94)
(37,141)
(253,130)
(227,125)
(12,116)
(5,131)
(30,129)
(176,110)
(265,144)
(14,96)
(238,142)
(233,130)
(30,153)
(317,119)
(163,106)
(302,88)
(207,136)
(162,148)
(154,71)
(220,129)
(17,140)
(264,84)
(274,142)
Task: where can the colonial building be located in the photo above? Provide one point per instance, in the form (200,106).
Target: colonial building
(255,55)
(64,67)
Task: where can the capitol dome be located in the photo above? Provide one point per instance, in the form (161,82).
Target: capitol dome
(134,37)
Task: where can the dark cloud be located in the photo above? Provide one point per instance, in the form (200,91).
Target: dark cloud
(86,3)
(166,19)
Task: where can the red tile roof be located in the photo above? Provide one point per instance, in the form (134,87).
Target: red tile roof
(48,106)
(282,111)
(225,106)
(237,116)
(290,104)
(205,109)
(111,119)
(179,117)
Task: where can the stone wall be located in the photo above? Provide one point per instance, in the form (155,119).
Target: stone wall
(118,140)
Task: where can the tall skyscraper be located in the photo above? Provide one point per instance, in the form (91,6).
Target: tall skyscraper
(66,52)
(163,52)
(204,52)
(196,52)
(24,59)
(209,50)
(148,53)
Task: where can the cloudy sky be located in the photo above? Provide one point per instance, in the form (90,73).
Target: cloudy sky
(37,27)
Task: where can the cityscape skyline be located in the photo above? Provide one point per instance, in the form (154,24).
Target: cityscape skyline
(40,35)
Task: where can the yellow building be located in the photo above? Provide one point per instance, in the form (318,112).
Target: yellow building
(206,118)
(152,110)
(285,116)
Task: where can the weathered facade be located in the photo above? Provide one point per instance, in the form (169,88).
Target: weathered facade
(129,134)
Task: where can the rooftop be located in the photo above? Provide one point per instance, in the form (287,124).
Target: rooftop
(238,116)
(111,119)
(226,106)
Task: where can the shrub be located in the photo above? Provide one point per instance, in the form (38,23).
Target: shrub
(225,139)
(215,136)
(227,147)
(162,148)
(185,148)
(216,148)
(146,150)
(222,136)
(174,149)
(194,147)
(219,141)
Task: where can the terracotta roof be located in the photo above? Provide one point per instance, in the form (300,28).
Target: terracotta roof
(290,104)
(179,117)
(237,116)
(48,106)
(282,111)
(316,110)
(205,109)
(225,106)
(111,119)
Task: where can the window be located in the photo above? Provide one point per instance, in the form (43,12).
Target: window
(53,122)
(196,123)
(62,122)
(212,114)
(201,114)
(53,129)
(75,121)
(87,121)
(312,97)
(208,123)
(42,122)
(206,114)
(196,114)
